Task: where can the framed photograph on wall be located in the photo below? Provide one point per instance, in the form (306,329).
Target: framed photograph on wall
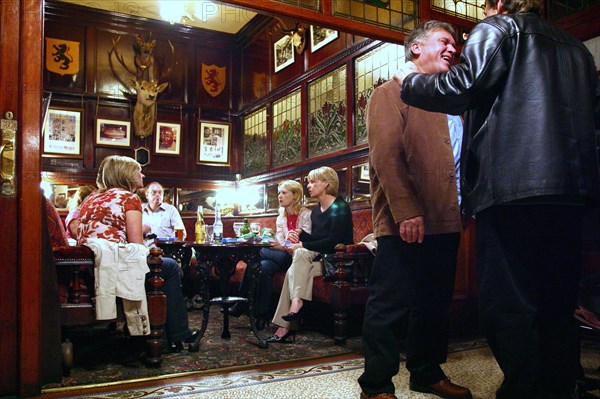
(62,132)
(364,173)
(319,37)
(110,132)
(168,138)
(283,51)
(213,142)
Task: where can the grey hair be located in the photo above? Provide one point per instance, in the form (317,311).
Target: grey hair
(419,34)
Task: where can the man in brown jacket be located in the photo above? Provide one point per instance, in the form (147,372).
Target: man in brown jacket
(413,166)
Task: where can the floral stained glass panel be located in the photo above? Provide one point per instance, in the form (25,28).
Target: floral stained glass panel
(327,113)
(287,130)
(255,141)
(471,10)
(371,70)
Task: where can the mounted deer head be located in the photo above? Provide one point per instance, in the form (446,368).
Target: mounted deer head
(298,35)
(141,80)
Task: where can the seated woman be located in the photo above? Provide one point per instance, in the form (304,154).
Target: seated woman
(293,218)
(114,213)
(331,221)
(74,204)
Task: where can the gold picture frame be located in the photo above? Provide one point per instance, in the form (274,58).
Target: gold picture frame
(213,142)
(113,133)
(168,138)
(62,132)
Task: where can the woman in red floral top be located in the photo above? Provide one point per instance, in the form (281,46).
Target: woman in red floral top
(114,213)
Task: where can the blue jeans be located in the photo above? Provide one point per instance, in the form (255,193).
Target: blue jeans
(272,262)
(176,327)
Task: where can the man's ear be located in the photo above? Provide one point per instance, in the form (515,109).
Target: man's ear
(500,7)
(415,48)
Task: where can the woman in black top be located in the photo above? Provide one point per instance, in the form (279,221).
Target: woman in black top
(331,225)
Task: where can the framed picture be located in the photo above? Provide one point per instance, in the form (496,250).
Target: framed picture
(213,142)
(113,132)
(168,138)
(283,51)
(364,173)
(319,37)
(62,132)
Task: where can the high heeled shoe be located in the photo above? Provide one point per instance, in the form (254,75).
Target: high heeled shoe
(177,346)
(281,340)
(193,340)
(293,316)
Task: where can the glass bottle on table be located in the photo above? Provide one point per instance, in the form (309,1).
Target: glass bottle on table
(245,228)
(218,226)
(200,227)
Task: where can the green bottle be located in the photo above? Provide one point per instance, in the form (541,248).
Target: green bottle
(245,228)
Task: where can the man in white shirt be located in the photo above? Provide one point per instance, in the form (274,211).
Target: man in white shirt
(160,219)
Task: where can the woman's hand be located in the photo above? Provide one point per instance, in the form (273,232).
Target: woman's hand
(278,247)
(293,236)
(293,247)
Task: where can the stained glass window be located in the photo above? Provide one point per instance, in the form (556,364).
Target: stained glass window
(255,141)
(287,130)
(310,4)
(401,15)
(327,113)
(371,70)
(471,10)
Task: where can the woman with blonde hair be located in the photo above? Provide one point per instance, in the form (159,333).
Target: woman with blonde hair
(114,214)
(331,223)
(293,218)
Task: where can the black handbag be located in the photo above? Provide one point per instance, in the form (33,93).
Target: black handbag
(330,267)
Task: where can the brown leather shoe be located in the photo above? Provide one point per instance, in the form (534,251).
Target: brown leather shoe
(444,389)
(384,395)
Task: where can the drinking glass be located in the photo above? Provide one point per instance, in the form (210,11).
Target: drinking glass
(255,228)
(237,228)
(209,235)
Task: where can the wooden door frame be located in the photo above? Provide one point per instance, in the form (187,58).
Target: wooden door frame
(21,91)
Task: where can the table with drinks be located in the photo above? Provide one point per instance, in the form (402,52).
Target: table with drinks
(217,256)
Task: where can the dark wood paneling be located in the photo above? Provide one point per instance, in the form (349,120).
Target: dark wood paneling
(30,206)
(9,94)
(343,41)
(255,74)
(101,95)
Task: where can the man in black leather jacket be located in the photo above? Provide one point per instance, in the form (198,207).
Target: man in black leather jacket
(528,167)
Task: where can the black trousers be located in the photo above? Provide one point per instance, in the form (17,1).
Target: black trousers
(413,282)
(528,266)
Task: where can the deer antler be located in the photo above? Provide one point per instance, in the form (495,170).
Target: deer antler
(168,71)
(147,90)
(119,57)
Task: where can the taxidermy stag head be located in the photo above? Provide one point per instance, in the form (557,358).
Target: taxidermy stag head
(298,35)
(142,81)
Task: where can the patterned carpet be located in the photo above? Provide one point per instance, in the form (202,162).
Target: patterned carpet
(331,379)
(103,356)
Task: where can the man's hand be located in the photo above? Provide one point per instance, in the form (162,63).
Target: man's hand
(413,230)
(405,70)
